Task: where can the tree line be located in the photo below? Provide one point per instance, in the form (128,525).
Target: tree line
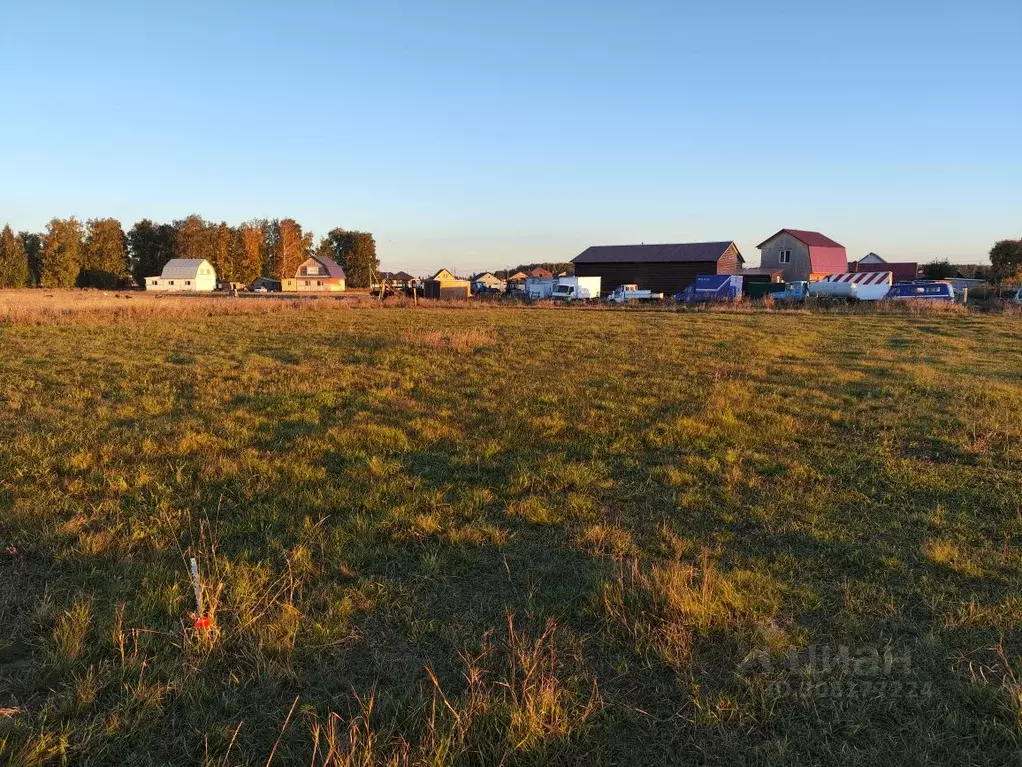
(100,254)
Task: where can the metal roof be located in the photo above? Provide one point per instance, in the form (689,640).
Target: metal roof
(183,268)
(333,269)
(807,237)
(903,270)
(685,252)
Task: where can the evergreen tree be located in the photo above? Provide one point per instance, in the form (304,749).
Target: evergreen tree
(13,261)
(271,233)
(32,242)
(62,253)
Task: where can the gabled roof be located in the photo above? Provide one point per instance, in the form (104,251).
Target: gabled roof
(540,272)
(333,269)
(518,276)
(806,237)
(444,274)
(686,252)
(902,270)
(183,268)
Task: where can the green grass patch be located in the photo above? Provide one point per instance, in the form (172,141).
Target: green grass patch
(478,536)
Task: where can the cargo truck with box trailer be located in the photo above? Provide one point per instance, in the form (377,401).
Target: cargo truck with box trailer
(576,289)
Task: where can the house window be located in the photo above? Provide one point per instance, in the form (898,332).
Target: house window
(188,282)
(784,257)
(319,283)
(171,282)
(307,283)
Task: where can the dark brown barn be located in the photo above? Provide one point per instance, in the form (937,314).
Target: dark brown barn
(663,268)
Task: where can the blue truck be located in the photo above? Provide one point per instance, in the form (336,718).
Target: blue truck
(712,287)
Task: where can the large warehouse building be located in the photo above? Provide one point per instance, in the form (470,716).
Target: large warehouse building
(663,268)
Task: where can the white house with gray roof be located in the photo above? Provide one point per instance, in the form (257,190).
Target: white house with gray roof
(184,275)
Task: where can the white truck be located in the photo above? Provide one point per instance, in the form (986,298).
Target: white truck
(624,293)
(576,289)
(847,286)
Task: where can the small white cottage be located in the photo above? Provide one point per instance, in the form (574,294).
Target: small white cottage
(184,275)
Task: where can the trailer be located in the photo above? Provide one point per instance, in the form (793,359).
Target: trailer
(922,290)
(539,287)
(855,286)
(576,289)
(712,287)
(845,286)
(625,293)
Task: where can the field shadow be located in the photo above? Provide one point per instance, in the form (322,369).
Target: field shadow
(282,435)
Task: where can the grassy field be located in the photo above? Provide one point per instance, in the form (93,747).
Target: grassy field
(476,536)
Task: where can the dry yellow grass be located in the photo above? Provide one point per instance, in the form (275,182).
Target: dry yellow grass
(47,307)
(709,506)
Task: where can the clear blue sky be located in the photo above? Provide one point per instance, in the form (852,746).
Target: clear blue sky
(476,134)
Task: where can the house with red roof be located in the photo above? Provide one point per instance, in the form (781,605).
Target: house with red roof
(540,272)
(801,254)
(903,271)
